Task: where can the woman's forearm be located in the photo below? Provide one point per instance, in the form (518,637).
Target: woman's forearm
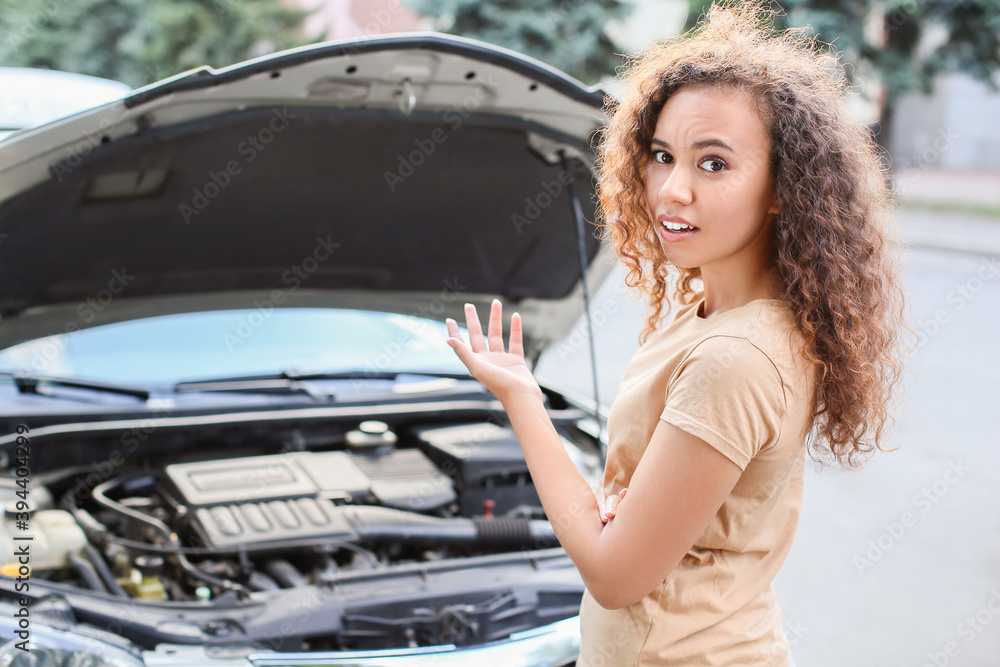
(569,502)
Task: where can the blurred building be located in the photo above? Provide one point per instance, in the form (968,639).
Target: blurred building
(956,127)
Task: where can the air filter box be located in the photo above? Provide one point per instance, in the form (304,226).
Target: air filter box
(485,462)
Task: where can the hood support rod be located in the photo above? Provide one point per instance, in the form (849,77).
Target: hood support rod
(581,243)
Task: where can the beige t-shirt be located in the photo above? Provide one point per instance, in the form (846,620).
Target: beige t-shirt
(739,381)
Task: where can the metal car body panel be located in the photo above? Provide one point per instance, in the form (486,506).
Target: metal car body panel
(175,185)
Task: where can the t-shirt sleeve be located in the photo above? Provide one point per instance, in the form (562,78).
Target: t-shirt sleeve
(728,393)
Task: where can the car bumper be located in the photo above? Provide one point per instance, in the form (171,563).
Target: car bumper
(547,646)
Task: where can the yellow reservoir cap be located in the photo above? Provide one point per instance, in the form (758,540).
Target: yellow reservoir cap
(12,570)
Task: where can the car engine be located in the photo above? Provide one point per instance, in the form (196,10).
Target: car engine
(194,529)
(420,533)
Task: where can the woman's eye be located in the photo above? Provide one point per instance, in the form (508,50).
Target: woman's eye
(716,165)
(661,157)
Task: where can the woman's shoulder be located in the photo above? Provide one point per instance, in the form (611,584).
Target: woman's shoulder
(776,333)
(766,324)
(751,319)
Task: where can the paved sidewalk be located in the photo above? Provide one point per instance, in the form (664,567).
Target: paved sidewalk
(962,187)
(949,231)
(952,210)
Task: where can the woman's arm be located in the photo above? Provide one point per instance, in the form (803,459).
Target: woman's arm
(677,487)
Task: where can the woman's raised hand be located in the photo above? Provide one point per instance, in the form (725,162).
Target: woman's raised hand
(505,374)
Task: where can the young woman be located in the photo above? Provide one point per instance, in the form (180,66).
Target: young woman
(730,166)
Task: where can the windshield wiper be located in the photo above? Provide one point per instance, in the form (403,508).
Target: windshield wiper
(28,384)
(292,382)
(271,386)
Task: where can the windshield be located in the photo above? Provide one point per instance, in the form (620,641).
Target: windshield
(191,346)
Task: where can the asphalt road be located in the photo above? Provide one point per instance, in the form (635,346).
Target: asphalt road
(899,563)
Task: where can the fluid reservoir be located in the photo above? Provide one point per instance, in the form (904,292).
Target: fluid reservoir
(144,581)
(52,533)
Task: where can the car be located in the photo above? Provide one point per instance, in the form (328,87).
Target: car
(34,96)
(231,430)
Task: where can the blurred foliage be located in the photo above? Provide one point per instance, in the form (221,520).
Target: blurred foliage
(566,34)
(142,41)
(886,36)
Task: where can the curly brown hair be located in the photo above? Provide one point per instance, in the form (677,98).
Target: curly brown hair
(837,255)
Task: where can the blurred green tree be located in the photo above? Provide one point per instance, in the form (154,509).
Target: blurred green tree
(905,43)
(566,34)
(142,41)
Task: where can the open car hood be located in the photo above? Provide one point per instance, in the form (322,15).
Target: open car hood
(409,173)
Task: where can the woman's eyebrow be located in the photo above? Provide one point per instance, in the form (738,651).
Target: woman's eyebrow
(704,143)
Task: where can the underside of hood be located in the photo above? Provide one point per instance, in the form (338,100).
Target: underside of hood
(384,184)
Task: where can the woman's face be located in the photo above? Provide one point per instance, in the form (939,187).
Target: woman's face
(709,186)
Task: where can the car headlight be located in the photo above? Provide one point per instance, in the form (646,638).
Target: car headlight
(30,644)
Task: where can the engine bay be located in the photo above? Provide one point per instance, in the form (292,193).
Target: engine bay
(206,528)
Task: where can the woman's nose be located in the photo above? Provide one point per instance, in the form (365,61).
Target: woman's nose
(676,186)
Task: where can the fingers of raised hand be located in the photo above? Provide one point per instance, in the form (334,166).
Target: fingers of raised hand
(476,340)
(516,345)
(496,326)
(453,331)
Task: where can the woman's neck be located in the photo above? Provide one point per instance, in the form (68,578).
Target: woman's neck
(728,291)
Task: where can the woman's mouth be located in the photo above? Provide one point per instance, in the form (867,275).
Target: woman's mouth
(671,230)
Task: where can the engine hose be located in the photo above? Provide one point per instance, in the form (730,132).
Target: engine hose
(502,533)
(258,581)
(95,531)
(98,494)
(385,524)
(99,534)
(285,573)
(86,571)
(101,567)
(513,532)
